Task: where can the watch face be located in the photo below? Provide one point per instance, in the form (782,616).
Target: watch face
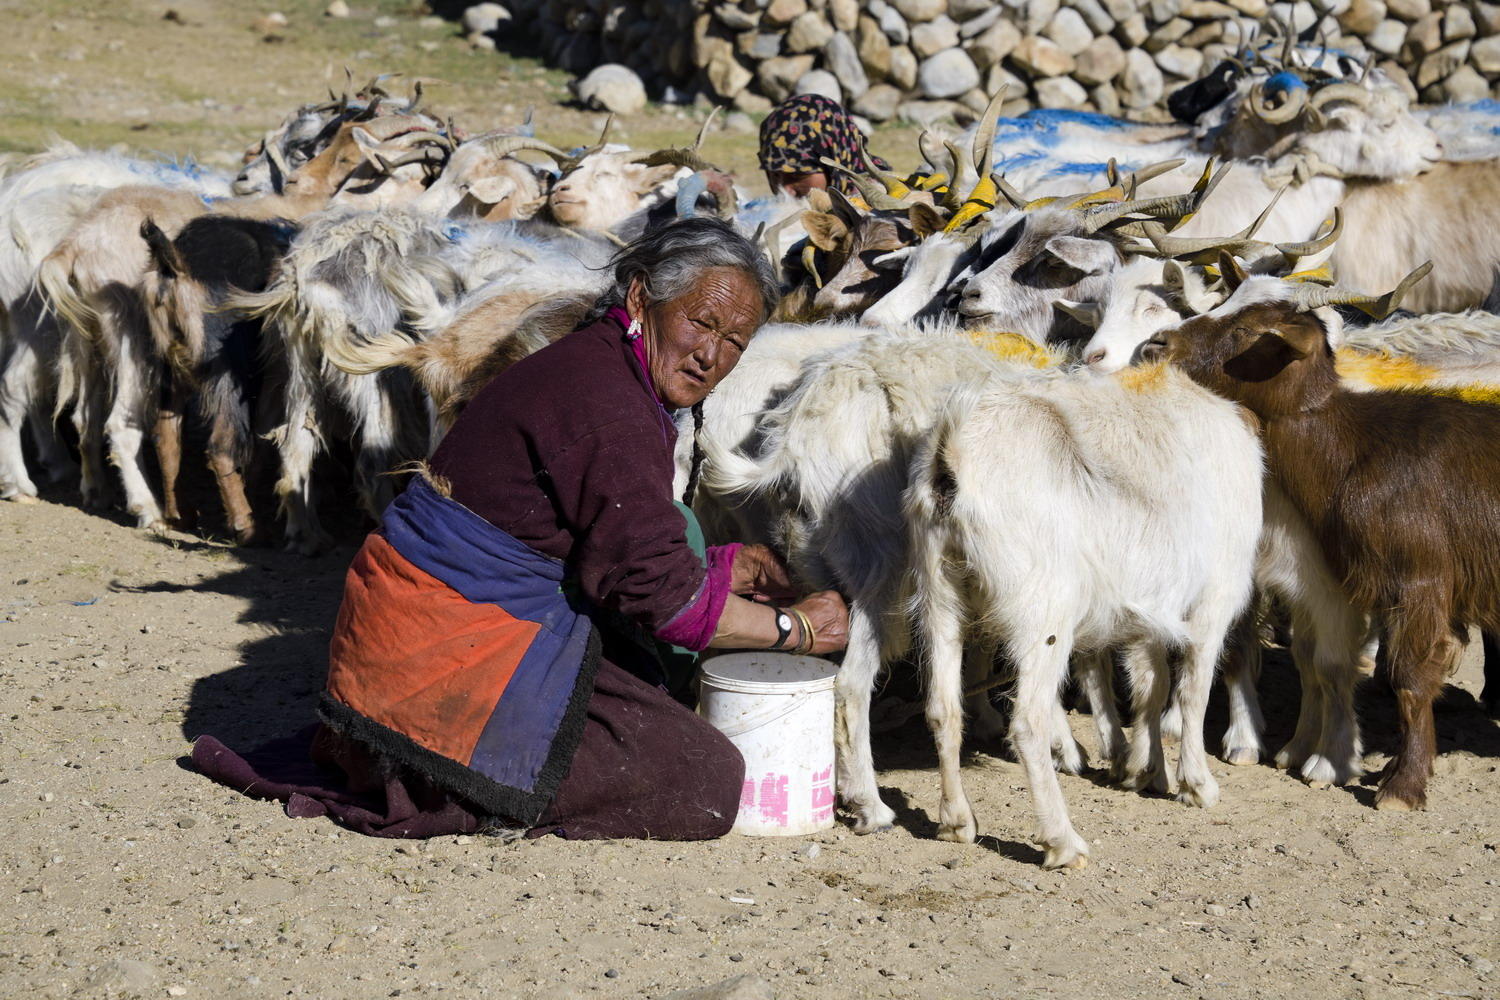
(784,621)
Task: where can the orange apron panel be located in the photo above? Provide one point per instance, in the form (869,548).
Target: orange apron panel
(413,655)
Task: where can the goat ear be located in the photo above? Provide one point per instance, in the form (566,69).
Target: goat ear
(924,220)
(818,200)
(492,190)
(163,253)
(647,178)
(527,209)
(1172,276)
(1087,313)
(1262,360)
(1234,275)
(826,231)
(1088,256)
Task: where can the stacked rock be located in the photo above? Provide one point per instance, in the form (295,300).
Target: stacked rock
(922,60)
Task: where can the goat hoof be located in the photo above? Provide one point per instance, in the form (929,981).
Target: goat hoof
(1388,800)
(1203,796)
(1069,758)
(876,819)
(1073,856)
(964,832)
(1242,756)
(23,498)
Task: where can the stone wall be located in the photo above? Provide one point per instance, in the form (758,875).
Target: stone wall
(926,59)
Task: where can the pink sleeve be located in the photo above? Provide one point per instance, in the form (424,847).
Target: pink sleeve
(693,627)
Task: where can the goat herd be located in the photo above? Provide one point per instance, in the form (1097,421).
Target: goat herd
(1126,413)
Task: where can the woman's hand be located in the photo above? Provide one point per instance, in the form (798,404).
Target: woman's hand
(759,573)
(829,616)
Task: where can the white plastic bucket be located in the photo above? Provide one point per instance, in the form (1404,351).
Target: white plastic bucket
(778,710)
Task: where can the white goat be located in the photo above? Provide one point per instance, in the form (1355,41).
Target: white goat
(820,477)
(1071,512)
(40,200)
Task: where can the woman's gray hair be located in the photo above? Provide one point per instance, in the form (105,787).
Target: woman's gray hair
(671,259)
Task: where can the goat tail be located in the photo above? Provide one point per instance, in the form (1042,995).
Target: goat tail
(724,471)
(59,293)
(367,356)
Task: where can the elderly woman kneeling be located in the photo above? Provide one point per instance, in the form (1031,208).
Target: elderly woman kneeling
(502,655)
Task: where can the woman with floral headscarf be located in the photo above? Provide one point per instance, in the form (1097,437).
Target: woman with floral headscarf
(799,134)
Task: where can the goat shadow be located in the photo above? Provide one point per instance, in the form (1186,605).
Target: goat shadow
(1463,725)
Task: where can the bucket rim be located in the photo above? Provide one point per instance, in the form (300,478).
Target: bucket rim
(740,685)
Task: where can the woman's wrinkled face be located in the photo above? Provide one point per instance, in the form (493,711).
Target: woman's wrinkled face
(696,339)
(797,184)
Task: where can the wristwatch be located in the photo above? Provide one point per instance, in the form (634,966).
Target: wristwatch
(783,629)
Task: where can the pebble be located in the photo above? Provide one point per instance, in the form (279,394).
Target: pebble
(186,823)
(337,9)
(611,973)
(1252,901)
(1215,910)
(809,851)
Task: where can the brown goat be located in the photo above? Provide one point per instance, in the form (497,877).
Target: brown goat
(1401,488)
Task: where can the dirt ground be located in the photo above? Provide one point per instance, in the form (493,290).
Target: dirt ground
(123,873)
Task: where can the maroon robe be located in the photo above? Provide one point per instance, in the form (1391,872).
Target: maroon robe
(569,452)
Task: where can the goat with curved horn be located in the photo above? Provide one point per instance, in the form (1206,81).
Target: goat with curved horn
(1295,251)
(1329,93)
(1292,103)
(1203,250)
(1180,205)
(1309,296)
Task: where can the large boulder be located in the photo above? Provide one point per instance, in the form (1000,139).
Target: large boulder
(820,81)
(934,36)
(841,59)
(1141,85)
(613,87)
(1061,92)
(879,103)
(993,44)
(947,74)
(916,11)
(778,76)
(1101,62)
(1041,57)
(809,33)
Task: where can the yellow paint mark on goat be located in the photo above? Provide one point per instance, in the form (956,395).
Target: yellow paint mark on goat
(1143,378)
(1015,347)
(1321,275)
(1489,395)
(1382,371)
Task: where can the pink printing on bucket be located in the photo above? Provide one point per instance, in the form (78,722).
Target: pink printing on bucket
(774,799)
(822,795)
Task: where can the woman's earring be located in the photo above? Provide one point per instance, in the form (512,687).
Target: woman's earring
(634,331)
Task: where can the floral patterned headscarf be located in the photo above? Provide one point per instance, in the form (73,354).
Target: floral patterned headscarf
(801,130)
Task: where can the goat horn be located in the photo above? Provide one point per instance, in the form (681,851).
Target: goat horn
(1352,92)
(415,156)
(687,195)
(506,145)
(1151,172)
(1009,193)
(1290,107)
(810,263)
(415,101)
(869,189)
(713,113)
(1294,251)
(1182,205)
(894,186)
(979,201)
(932,151)
(1189,248)
(273,153)
(962,170)
(1308,296)
(1112,172)
(984,136)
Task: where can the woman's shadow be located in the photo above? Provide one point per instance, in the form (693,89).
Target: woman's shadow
(290,604)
